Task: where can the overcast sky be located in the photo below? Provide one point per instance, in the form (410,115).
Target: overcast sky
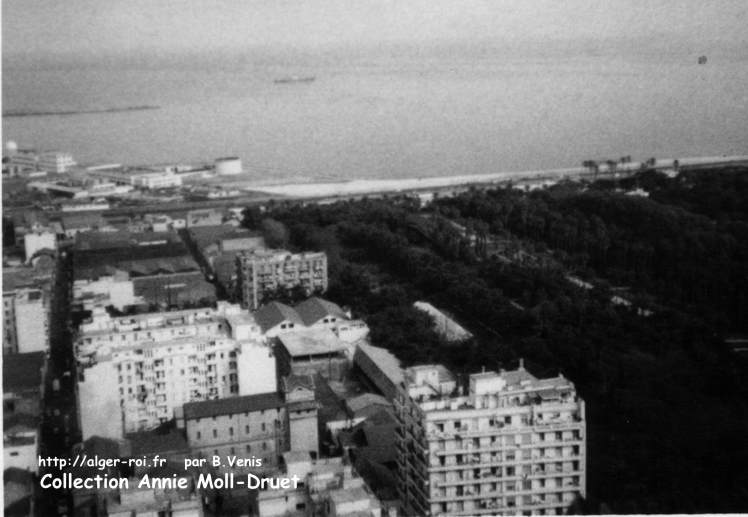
(82,27)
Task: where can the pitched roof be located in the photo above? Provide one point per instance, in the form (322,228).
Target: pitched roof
(274,313)
(291,382)
(314,309)
(22,371)
(232,405)
(366,400)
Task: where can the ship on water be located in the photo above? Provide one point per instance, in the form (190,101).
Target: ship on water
(295,79)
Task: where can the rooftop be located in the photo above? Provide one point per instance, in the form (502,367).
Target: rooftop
(385,360)
(122,239)
(232,405)
(273,313)
(22,371)
(314,309)
(311,342)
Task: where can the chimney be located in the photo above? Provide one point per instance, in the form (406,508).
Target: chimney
(521,363)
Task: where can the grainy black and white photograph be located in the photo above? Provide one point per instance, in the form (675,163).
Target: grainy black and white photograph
(374,258)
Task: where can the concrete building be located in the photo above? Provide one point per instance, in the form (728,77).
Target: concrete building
(262,272)
(26,299)
(25,321)
(39,238)
(380,369)
(23,383)
(148,365)
(56,161)
(302,410)
(331,488)
(313,314)
(513,444)
(252,427)
(204,217)
(21,442)
(310,352)
(159,266)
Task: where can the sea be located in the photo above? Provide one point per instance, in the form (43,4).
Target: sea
(389,113)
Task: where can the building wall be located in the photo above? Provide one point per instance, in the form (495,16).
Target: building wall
(10,338)
(99,402)
(32,322)
(256,433)
(35,241)
(262,274)
(303,431)
(513,456)
(25,321)
(118,292)
(256,369)
(22,456)
(156,362)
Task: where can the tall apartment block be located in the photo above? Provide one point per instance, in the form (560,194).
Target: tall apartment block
(261,272)
(135,371)
(512,445)
(25,317)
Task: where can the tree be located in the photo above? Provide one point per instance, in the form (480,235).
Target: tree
(275,233)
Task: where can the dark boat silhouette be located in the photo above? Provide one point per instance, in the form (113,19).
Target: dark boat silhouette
(702,60)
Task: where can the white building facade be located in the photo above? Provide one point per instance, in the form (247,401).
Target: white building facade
(513,445)
(149,365)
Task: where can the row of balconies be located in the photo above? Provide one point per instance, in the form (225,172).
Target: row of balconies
(479,463)
(493,478)
(510,493)
(505,447)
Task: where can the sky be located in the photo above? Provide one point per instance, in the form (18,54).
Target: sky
(153,27)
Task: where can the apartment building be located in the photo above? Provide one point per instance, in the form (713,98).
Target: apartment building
(251,427)
(148,365)
(261,272)
(26,298)
(512,444)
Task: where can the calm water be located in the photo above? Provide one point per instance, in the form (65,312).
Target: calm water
(390,116)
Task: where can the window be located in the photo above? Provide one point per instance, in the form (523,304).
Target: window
(231,432)
(246,429)
(263,427)
(198,435)
(264,446)
(215,433)
(249,448)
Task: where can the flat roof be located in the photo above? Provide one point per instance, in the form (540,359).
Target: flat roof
(311,342)
(22,371)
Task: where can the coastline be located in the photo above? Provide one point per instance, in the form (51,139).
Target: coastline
(379,186)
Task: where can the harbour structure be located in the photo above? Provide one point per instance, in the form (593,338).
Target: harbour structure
(262,272)
(148,365)
(511,444)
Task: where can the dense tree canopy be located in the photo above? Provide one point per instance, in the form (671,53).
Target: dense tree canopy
(665,397)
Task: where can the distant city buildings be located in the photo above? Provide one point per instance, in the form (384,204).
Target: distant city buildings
(510,444)
(262,272)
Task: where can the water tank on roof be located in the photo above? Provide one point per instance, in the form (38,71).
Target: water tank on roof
(228,166)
